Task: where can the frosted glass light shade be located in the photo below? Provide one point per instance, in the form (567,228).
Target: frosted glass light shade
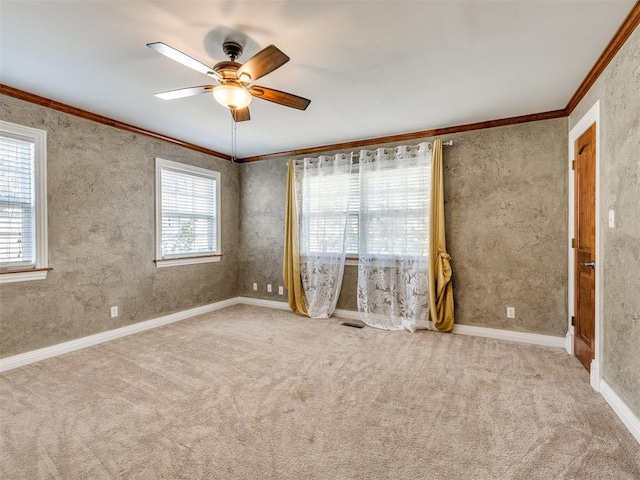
(231,96)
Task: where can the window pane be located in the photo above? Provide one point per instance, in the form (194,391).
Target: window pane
(17,202)
(322,217)
(188,213)
(396,220)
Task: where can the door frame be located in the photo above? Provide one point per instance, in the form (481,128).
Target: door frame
(591,117)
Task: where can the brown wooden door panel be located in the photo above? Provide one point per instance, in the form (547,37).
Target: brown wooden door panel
(585,249)
(586,301)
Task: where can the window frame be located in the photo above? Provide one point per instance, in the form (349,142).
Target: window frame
(184,259)
(40,268)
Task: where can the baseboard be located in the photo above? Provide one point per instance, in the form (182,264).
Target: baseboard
(510,335)
(260,302)
(33,356)
(594,375)
(630,420)
(569,342)
(348,314)
(47,352)
(521,337)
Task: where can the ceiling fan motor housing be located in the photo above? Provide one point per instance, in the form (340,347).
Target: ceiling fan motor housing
(227,69)
(232,50)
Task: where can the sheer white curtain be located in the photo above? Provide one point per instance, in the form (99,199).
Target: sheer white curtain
(393,264)
(322,196)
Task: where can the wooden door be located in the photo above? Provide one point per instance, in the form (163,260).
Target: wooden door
(585,247)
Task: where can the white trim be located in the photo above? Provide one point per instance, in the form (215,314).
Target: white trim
(260,302)
(594,375)
(22,359)
(185,261)
(33,356)
(510,335)
(23,276)
(39,140)
(348,314)
(591,117)
(569,341)
(42,238)
(630,420)
(195,171)
(520,337)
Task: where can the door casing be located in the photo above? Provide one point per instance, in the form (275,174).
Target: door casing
(591,117)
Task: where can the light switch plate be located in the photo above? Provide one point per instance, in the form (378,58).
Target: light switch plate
(612,219)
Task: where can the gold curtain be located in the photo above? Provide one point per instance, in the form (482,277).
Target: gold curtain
(291,262)
(440,287)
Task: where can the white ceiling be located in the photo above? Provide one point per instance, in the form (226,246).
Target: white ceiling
(371,68)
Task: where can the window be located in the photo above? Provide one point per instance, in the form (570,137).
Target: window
(23,203)
(187,214)
(394,218)
(324,199)
(404,193)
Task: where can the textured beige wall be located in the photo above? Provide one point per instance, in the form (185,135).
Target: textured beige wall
(618,90)
(506,200)
(102,236)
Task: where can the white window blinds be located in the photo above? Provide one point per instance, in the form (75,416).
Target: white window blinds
(394,221)
(323,204)
(394,216)
(17,203)
(188,210)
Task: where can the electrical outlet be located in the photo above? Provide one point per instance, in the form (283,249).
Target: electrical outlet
(269,288)
(280,290)
(255,286)
(612,219)
(511,312)
(114,312)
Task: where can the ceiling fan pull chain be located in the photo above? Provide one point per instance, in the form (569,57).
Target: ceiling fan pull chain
(233,138)
(233,153)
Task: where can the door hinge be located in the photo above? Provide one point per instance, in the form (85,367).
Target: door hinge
(573,243)
(573,164)
(573,321)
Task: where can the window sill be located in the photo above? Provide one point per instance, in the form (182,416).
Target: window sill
(14,276)
(172,262)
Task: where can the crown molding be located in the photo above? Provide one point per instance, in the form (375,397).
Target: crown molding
(534,117)
(78,112)
(629,24)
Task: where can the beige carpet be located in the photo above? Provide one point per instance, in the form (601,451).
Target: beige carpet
(253,393)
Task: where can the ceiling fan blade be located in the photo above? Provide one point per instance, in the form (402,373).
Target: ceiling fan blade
(184,92)
(240,114)
(263,62)
(282,98)
(182,58)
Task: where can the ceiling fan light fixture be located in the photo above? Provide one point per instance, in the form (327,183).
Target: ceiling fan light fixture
(232,96)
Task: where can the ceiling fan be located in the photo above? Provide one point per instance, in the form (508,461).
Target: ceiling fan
(235,87)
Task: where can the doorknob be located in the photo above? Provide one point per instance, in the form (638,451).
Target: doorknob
(588,264)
